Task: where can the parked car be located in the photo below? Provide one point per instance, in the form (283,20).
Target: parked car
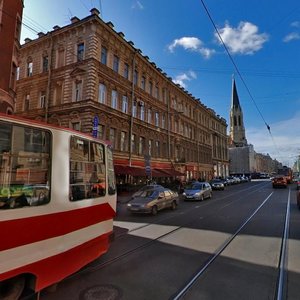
(153,199)
(197,191)
(217,184)
(298,199)
(279,181)
(297,180)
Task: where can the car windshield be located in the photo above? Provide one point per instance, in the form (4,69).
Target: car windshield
(149,194)
(194,187)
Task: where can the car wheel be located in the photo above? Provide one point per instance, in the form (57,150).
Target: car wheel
(12,288)
(202,198)
(154,210)
(210,195)
(173,205)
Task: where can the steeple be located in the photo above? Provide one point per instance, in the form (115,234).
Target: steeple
(237,129)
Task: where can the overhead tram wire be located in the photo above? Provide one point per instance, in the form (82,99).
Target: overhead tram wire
(237,70)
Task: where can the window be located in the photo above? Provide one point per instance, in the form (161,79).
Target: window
(80,52)
(60,57)
(142,111)
(75,125)
(124,104)
(43,99)
(111,178)
(157,119)
(77,91)
(29,69)
(112,137)
(45,63)
(102,93)
(150,88)
(114,99)
(123,143)
(143,82)
(135,77)
(134,109)
(141,145)
(116,64)
(24,166)
(18,73)
(157,148)
(149,116)
(133,142)
(101,132)
(87,169)
(58,93)
(126,71)
(156,95)
(163,121)
(103,55)
(27,102)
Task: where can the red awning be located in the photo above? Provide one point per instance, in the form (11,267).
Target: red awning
(129,170)
(171,172)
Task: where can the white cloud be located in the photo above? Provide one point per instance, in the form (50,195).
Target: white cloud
(192,44)
(244,39)
(137,5)
(181,78)
(285,144)
(291,37)
(295,24)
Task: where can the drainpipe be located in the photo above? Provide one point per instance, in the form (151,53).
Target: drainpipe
(49,79)
(169,123)
(131,115)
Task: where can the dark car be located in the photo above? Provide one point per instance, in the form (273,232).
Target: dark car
(153,199)
(217,184)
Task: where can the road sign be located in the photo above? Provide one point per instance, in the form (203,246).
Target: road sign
(95,126)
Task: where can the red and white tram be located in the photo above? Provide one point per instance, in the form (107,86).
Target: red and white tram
(57,203)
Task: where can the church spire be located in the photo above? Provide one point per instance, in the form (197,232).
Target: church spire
(237,129)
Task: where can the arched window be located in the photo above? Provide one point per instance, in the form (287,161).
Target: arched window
(234,121)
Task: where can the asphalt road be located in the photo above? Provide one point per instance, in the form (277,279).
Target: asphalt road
(156,257)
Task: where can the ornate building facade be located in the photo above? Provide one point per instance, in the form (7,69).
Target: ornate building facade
(86,76)
(10,30)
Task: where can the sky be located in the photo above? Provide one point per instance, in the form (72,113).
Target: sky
(262,39)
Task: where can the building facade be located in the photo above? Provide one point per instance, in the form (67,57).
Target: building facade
(10,30)
(86,76)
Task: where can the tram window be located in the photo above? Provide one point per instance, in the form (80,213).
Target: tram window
(24,166)
(87,170)
(111,173)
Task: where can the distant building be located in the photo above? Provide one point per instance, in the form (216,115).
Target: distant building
(86,76)
(10,30)
(242,160)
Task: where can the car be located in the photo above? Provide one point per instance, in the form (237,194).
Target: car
(197,191)
(298,199)
(153,199)
(297,180)
(217,184)
(279,181)
(145,188)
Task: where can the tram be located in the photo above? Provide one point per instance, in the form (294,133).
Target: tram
(53,220)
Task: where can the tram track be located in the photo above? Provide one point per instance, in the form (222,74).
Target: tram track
(280,292)
(152,241)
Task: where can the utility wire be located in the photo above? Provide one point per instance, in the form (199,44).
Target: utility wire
(238,72)
(234,64)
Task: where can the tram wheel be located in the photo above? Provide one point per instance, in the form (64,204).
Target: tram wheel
(12,289)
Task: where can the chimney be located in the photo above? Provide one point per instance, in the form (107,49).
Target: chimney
(27,40)
(74,19)
(121,34)
(41,34)
(95,11)
(56,27)
(110,24)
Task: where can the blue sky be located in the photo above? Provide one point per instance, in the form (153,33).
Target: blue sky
(263,38)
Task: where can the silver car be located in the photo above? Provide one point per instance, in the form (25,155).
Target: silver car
(197,191)
(152,200)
